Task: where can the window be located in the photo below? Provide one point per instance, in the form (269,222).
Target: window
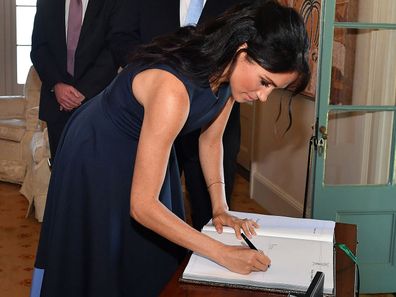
(25,12)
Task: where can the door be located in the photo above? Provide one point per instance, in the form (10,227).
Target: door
(354,179)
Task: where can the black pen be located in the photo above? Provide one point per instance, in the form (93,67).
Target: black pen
(248,242)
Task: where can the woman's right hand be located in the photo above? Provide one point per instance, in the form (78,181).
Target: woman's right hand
(243,260)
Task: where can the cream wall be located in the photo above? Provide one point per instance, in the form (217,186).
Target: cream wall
(279,163)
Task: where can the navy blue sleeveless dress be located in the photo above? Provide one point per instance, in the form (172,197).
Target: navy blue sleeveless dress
(89,245)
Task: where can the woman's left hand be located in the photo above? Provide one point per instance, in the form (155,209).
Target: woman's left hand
(247,226)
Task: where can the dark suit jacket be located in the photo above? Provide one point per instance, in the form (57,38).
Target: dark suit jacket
(94,64)
(151,18)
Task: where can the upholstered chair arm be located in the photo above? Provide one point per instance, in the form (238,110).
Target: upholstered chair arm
(32,120)
(12,107)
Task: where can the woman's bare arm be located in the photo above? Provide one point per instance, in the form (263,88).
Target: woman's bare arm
(166,109)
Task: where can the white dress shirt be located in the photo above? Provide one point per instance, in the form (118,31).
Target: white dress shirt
(183,11)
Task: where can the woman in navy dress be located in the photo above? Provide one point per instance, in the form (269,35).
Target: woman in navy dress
(114,220)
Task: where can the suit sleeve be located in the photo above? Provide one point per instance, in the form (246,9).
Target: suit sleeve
(42,58)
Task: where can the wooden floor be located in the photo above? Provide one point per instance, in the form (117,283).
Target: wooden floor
(19,235)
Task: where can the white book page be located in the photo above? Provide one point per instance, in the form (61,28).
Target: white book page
(291,269)
(279,226)
(298,248)
(293,264)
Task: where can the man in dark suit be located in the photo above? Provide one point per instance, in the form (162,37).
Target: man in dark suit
(64,89)
(149,19)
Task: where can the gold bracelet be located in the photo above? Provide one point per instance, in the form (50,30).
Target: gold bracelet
(218,182)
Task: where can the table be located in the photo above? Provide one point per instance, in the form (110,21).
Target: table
(345,274)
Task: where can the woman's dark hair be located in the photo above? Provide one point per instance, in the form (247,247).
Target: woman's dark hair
(275,35)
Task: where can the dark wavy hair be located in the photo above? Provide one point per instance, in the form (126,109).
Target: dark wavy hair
(275,35)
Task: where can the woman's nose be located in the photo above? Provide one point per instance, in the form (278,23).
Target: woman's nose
(263,94)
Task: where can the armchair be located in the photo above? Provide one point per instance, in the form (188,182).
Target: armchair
(18,122)
(35,183)
(24,146)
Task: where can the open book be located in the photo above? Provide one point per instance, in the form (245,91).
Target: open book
(298,248)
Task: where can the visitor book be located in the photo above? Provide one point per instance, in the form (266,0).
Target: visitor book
(298,248)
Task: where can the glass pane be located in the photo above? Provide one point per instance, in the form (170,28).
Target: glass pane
(367,11)
(363,69)
(23,63)
(358,148)
(26,2)
(25,18)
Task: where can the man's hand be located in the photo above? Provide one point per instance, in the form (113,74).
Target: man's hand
(68,96)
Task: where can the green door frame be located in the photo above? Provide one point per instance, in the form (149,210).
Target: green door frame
(328,200)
